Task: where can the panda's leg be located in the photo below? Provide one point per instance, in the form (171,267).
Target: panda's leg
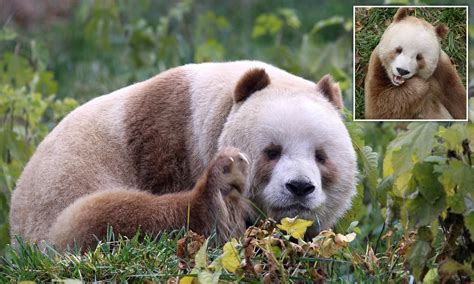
(212,203)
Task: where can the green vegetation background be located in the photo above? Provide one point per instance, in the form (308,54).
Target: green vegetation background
(370,24)
(414,210)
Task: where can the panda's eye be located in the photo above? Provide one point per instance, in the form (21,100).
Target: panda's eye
(273,152)
(321,157)
(399,50)
(419,56)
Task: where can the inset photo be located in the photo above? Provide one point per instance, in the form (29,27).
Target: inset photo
(410,63)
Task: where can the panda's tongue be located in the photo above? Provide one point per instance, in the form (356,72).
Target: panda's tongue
(398,80)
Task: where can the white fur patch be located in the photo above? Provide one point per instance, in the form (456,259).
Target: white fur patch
(413,38)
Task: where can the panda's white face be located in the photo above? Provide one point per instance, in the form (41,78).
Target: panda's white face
(303,163)
(408,48)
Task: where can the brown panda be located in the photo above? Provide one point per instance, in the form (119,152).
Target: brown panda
(141,157)
(410,76)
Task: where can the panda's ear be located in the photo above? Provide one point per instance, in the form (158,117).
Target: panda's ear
(401,14)
(252,81)
(441,31)
(331,91)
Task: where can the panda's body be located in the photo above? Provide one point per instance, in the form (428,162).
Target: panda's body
(410,76)
(140,157)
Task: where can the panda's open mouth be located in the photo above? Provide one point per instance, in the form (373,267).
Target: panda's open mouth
(398,80)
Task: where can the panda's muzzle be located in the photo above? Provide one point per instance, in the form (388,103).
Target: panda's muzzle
(300,188)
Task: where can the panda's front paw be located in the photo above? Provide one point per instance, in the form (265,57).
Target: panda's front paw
(229,171)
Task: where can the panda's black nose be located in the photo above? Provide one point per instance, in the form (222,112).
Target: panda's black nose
(299,187)
(402,71)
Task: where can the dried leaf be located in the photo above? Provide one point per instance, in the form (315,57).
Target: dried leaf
(344,240)
(328,248)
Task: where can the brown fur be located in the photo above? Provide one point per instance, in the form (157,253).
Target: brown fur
(156,120)
(263,173)
(214,202)
(421,63)
(252,81)
(453,93)
(264,168)
(331,91)
(442,31)
(329,173)
(383,100)
(401,14)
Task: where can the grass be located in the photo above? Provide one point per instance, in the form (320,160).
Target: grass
(112,260)
(265,253)
(370,23)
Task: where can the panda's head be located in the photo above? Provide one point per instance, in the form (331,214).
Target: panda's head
(409,47)
(302,159)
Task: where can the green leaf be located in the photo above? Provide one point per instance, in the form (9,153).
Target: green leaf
(15,70)
(46,84)
(266,24)
(432,277)
(424,233)
(418,257)
(427,199)
(409,147)
(415,144)
(425,180)
(370,162)
(453,136)
(383,188)
(456,174)
(457,179)
(421,212)
(290,17)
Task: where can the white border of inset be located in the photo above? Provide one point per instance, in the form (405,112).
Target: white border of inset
(411,6)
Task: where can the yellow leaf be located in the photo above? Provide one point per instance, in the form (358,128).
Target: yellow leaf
(230,258)
(294,226)
(27,282)
(186,280)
